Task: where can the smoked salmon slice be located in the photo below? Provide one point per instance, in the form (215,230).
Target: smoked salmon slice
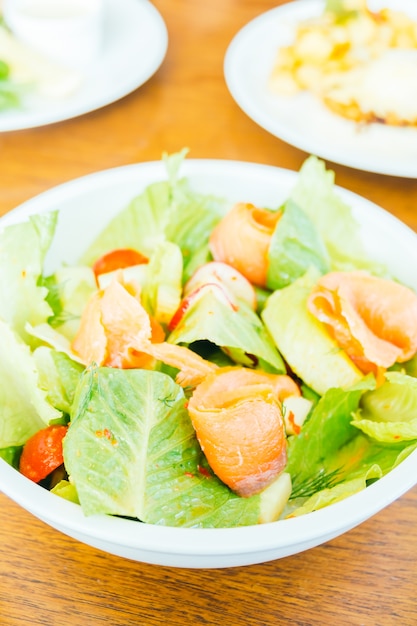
(192,367)
(237,416)
(374,320)
(115,327)
(242,238)
(116,331)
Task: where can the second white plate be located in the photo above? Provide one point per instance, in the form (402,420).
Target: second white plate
(302,120)
(135,43)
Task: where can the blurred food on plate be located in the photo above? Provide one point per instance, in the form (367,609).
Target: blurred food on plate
(45,47)
(28,72)
(361,63)
(67,31)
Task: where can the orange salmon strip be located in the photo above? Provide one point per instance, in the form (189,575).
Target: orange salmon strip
(116,331)
(373,319)
(237,416)
(115,328)
(193,368)
(242,240)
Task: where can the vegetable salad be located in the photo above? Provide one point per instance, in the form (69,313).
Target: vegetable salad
(207,365)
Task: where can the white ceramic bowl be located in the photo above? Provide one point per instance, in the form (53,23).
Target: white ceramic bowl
(90,201)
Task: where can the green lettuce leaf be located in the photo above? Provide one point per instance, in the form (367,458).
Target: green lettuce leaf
(11,455)
(139,226)
(64,489)
(409,367)
(314,452)
(330,460)
(162,291)
(328,496)
(389,413)
(25,408)
(304,342)
(70,288)
(315,194)
(388,431)
(22,251)
(193,218)
(165,211)
(240,332)
(131,451)
(58,377)
(295,247)
(360,462)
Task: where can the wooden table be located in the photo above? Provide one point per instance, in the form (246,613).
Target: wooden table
(366,577)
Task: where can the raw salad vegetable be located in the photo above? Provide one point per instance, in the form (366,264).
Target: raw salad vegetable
(206,365)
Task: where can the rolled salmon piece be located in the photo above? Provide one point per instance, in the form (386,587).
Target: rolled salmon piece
(237,416)
(374,320)
(242,240)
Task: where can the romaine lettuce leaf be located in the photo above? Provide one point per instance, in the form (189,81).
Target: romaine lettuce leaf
(393,401)
(11,455)
(315,194)
(295,247)
(131,450)
(193,218)
(328,496)
(360,462)
(241,332)
(330,460)
(139,226)
(58,376)
(389,413)
(388,431)
(162,291)
(409,367)
(22,251)
(46,334)
(65,489)
(165,211)
(25,408)
(303,341)
(71,288)
(315,451)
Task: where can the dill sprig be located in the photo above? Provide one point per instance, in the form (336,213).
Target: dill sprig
(61,318)
(317,482)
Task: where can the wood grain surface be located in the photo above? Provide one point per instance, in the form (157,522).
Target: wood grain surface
(366,577)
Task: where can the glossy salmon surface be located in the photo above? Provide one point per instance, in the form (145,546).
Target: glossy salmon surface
(373,319)
(242,240)
(238,419)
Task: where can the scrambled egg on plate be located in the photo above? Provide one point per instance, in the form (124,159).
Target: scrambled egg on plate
(362,64)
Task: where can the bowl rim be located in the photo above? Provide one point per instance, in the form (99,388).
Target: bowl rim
(330,521)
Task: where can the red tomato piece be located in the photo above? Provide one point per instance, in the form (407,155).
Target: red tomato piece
(42,453)
(117,260)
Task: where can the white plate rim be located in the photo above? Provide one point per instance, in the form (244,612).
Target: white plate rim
(248,98)
(84,100)
(233,546)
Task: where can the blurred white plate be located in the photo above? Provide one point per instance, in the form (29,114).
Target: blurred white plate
(302,120)
(135,42)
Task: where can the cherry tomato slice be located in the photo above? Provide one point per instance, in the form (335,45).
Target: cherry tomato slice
(117,260)
(42,453)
